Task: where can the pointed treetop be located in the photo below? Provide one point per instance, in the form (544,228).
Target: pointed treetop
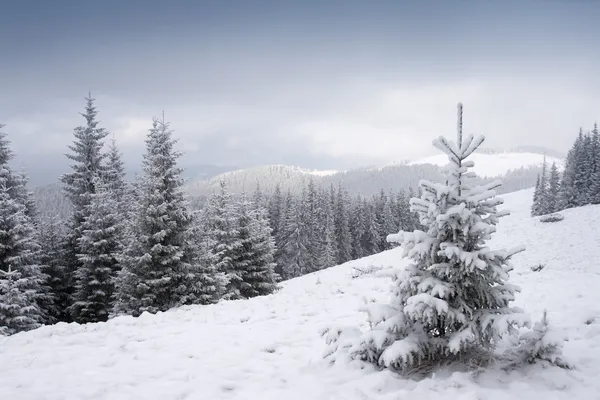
(459,125)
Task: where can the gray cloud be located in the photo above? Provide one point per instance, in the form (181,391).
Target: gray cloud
(319,93)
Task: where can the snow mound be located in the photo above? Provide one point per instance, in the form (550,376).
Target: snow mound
(270,347)
(496,164)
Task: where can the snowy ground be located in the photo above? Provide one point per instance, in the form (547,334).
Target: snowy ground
(270,348)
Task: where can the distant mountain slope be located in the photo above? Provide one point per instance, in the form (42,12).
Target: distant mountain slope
(517,168)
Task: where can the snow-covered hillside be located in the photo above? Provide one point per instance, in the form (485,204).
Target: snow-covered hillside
(270,348)
(497,163)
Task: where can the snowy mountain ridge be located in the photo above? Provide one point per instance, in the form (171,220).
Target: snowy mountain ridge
(270,347)
(370,180)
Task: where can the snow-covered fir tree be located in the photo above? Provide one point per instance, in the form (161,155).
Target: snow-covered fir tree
(51,237)
(535,205)
(18,312)
(370,239)
(222,226)
(595,175)
(327,250)
(208,282)
(358,228)
(114,178)
(157,272)
(24,295)
(552,202)
(453,301)
(79,185)
(254,258)
(296,257)
(100,246)
(342,226)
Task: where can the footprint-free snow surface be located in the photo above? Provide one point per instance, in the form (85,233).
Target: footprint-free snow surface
(270,348)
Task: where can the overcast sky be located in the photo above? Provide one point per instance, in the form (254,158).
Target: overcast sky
(320,84)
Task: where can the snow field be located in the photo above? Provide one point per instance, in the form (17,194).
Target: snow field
(270,348)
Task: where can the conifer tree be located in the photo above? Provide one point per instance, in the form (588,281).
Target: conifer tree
(296,257)
(223,229)
(254,260)
(101,246)
(342,226)
(370,239)
(114,178)
(452,301)
(157,272)
(595,176)
(51,236)
(358,228)
(553,190)
(536,206)
(24,296)
(79,185)
(209,283)
(18,312)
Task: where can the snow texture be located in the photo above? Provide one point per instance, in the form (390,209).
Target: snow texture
(270,348)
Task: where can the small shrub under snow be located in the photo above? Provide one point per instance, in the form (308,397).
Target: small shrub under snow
(551,218)
(538,267)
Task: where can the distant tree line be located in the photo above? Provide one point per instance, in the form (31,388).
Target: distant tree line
(579,184)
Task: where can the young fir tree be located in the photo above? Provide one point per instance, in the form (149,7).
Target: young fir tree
(79,184)
(595,177)
(100,247)
(222,227)
(157,272)
(453,300)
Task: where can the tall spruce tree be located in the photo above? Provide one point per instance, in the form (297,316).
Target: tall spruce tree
(23,290)
(80,184)
(157,272)
(452,301)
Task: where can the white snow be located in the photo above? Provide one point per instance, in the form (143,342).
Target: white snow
(496,164)
(326,172)
(270,348)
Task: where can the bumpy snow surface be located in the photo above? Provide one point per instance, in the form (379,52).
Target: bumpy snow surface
(270,348)
(496,164)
